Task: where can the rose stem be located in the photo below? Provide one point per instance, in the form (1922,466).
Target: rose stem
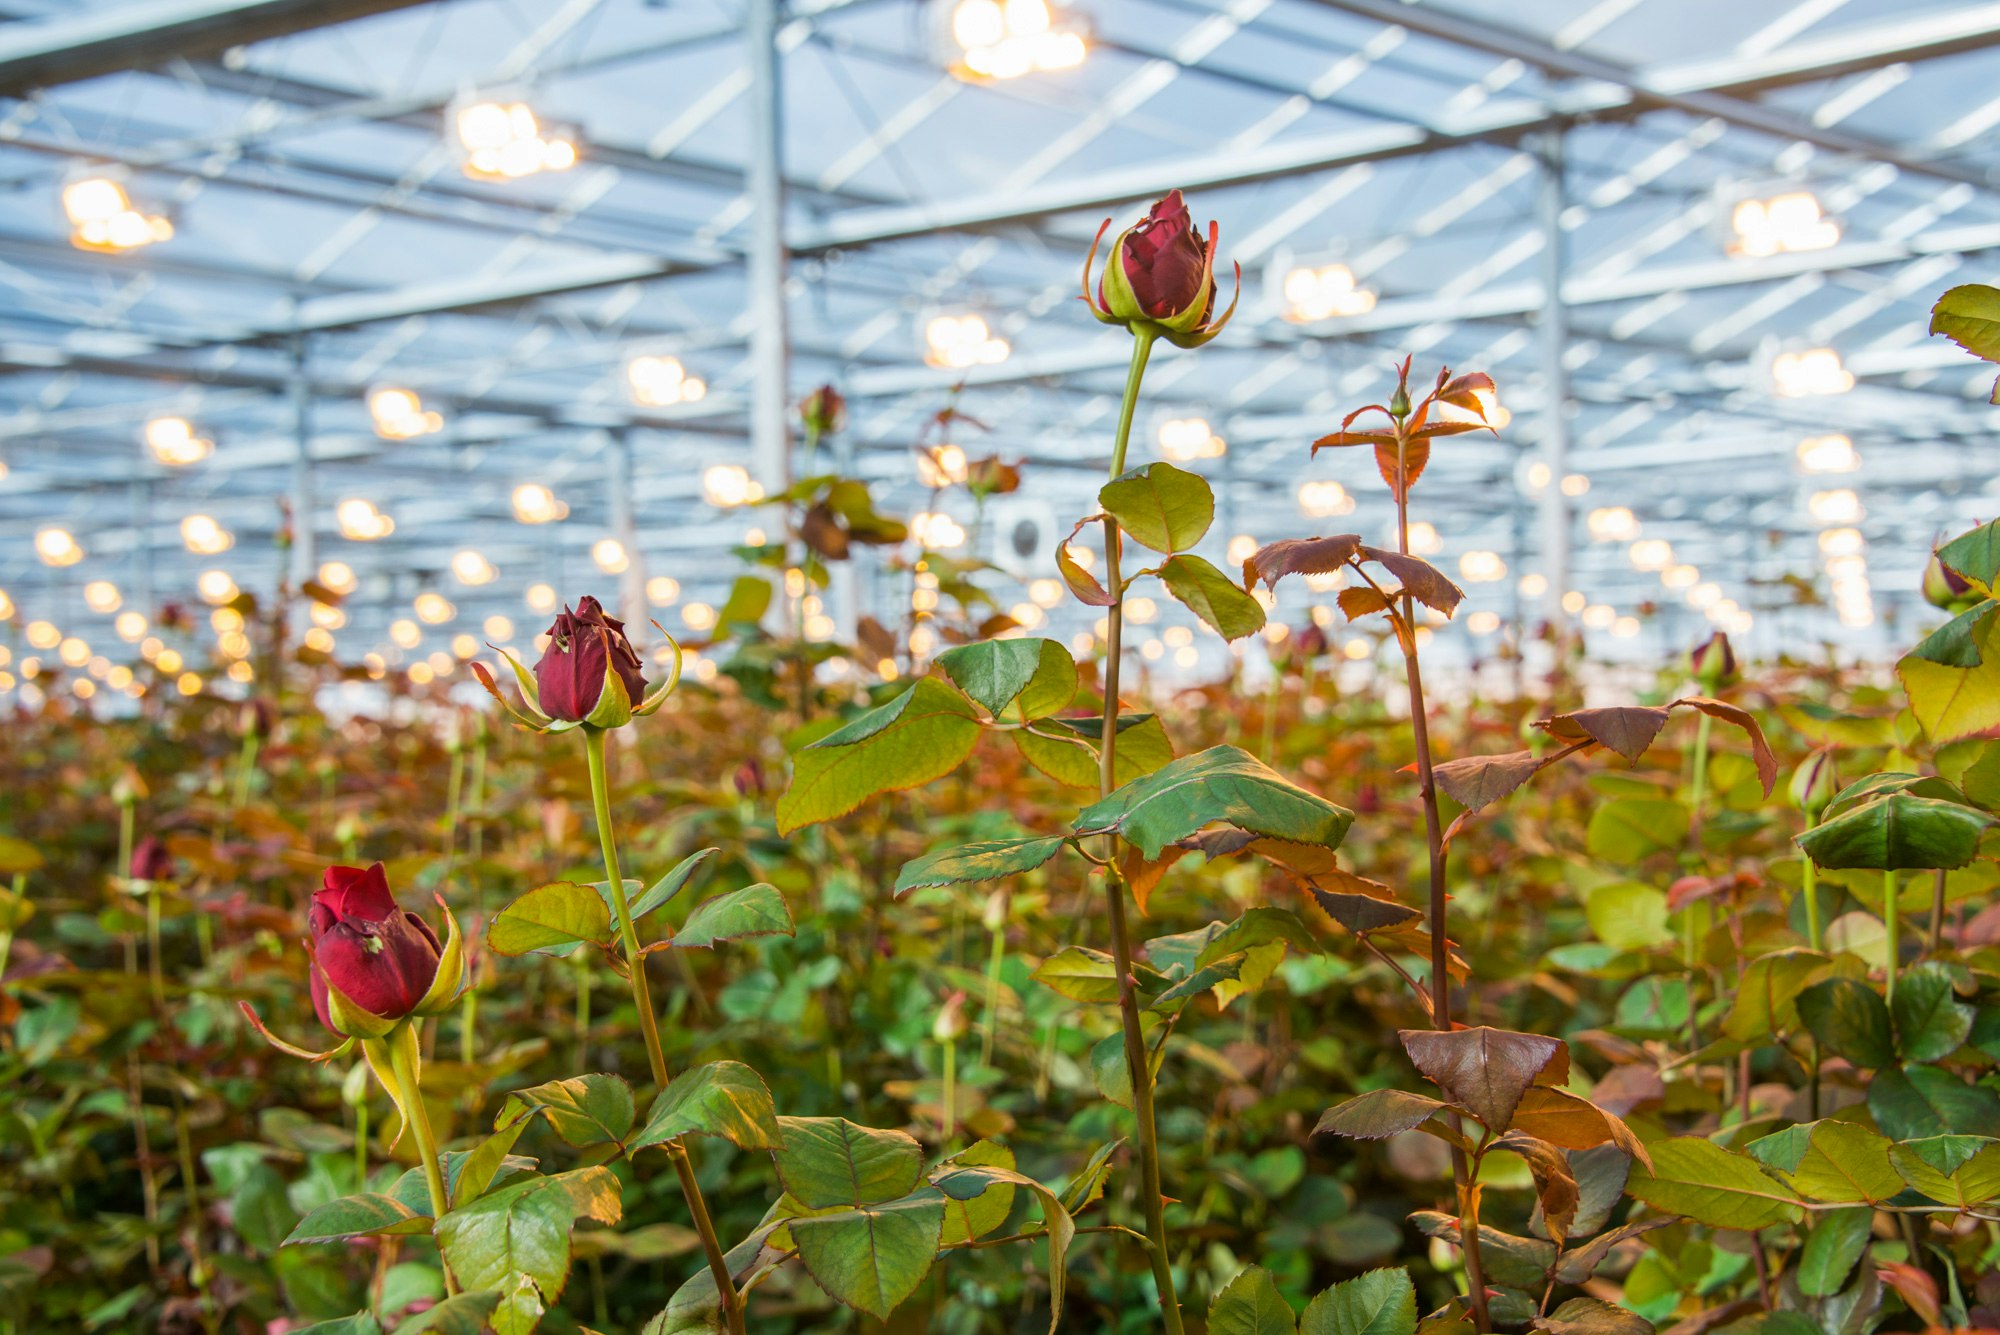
(1809,884)
(1890,918)
(649,1027)
(1137,1061)
(403,1065)
(1468,1195)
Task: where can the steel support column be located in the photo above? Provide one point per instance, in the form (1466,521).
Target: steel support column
(1553,323)
(305,505)
(770,404)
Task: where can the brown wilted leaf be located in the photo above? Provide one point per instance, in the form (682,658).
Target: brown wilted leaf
(1420,579)
(1735,716)
(1626,729)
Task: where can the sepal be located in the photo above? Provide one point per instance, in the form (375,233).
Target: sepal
(346,1044)
(450,982)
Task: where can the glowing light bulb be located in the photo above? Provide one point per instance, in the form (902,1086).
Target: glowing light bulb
(662,382)
(174,443)
(1817,371)
(1783,224)
(662,591)
(1424,540)
(728,485)
(936,531)
(360,521)
(102,217)
(1650,554)
(610,556)
(1827,454)
(1185,439)
(1482,567)
(337,577)
(541,598)
(432,608)
(203,536)
(960,341)
(102,596)
(471,568)
(58,547)
(1324,293)
(398,414)
(1320,500)
(941,466)
(1837,506)
(216,586)
(503,141)
(131,626)
(536,504)
(1612,523)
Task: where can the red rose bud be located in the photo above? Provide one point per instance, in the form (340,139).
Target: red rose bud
(583,645)
(1814,784)
(1311,641)
(379,957)
(151,861)
(1713,662)
(1161,273)
(1946,588)
(823,411)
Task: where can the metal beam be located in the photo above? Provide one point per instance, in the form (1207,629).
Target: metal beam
(1465,31)
(106,41)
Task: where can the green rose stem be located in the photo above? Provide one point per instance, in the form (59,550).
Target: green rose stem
(649,1027)
(246,765)
(403,1067)
(1809,887)
(1461,1171)
(126,818)
(1137,1061)
(1890,919)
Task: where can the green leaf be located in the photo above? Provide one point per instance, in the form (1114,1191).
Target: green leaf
(1845,1162)
(755,910)
(967,1219)
(1164,507)
(1627,830)
(872,1257)
(1931,1023)
(1766,998)
(1897,831)
(671,884)
(1593,1316)
(830,1161)
(1069,753)
(1959,1171)
(466,1314)
(1849,1020)
(1109,1070)
(1954,702)
(364,1216)
(989,861)
(1209,975)
(551,919)
(361,1323)
(1916,1102)
(724,1098)
(1051,688)
(1223,783)
(1380,1302)
(1079,973)
(965,1182)
(1378,1114)
(1211,595)
(1955,644)
(749,599)
(1832,1248)
(1694,1177)
(584,1110)
(1976,554)
(995,672)
(1250,1304)
(516,1240)
(1969,315)
(1626,915)
(479,1166)
(922,734)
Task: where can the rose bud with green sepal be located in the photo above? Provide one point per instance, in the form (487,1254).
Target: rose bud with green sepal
(1946,588)
(374,963)
(1713,663)
(589,676)
(1160,277)
(1814,783)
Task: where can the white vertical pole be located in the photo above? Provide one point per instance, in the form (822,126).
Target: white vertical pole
(770,407)
(1554,329)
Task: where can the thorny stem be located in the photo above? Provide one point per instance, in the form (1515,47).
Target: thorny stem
(1137,1062)
(649,1026)
(1468,1191)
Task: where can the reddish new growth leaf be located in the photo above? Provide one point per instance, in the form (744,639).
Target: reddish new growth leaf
(1760,749)
(1421,580)
(1300,556)
(1484,1070)
(1403,448)
(1626,729)
(1479,781)
(1081,582)
(1358,603)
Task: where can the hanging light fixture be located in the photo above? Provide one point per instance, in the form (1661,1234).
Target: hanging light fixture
(58,547)
(102,217)
(661,382)
(1185,439)
(956,342)
(504,141)
(1324,293)
(174,443)
(399,414)
(1781,225)
(1005,39)
(1816,371)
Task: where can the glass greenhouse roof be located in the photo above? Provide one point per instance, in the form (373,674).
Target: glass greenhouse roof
(1431,165)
